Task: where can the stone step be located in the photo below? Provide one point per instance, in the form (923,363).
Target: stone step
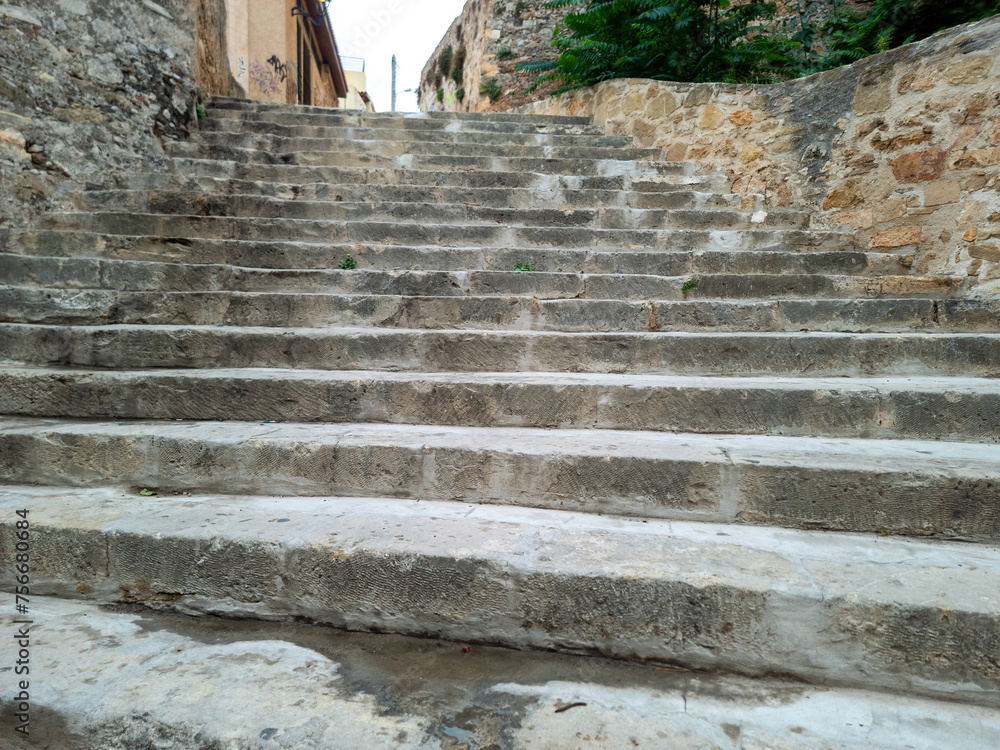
(278,200)
(641,178)
(274,212)
(835,610)
(687,252)
(314,688)
(341,182)
(293,255)
(275,149)
(419,228)
(125,275)
(454,121)
(544,136)
(956,409)
(907,487)
(611,165)
(708,353)
(102,307)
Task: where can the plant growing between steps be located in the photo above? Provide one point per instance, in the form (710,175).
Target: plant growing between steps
(688,286)
(348,263)
(524,267)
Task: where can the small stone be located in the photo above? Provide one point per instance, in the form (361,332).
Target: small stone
(970,234)
(920,166)
(843,197)
(985,252)
(741,118)
(897,237)
(712,117)
(972,70)
(974,266)
(942,192)
(750,153)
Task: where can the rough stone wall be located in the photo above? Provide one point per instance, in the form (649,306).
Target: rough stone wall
(90,87)
(498,36)
(901,148)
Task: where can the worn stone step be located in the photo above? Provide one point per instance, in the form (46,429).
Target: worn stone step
(102,307)
(315,687)
(688,252)
(958,408)
(582,166)
(348,181)
(416,226)
(545,136)
(903,615)
(90,273)
(455,121)
(640,179)
(947,489)
(275,149)
(279,200)
(705,353)
(272,213)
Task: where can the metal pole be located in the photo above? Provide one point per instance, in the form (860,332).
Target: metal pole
(393,83)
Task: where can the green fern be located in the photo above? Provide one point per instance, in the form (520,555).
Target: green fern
(712,40)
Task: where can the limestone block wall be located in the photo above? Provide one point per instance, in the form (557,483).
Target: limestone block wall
(93,87)
(497,36)
(901,148)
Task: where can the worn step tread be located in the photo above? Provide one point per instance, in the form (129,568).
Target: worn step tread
(310,309)
(957,408)
(220,125)
(145,275)
(457,215)
(659,353)
(912,487)
(836,609)
(315,688)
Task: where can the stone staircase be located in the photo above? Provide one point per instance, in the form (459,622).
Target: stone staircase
(698,433)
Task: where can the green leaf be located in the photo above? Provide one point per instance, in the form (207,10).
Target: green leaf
(146,493)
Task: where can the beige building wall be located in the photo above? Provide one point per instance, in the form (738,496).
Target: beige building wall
(275,56)
(237,36)
(357,82)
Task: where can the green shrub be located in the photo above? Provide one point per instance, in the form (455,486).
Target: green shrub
(504,52)
(490,87)
(444,62)
(709,40)
(440,94)
(348,263)
(460,95)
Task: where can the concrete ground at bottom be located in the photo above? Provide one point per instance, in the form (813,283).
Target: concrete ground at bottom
(128,677)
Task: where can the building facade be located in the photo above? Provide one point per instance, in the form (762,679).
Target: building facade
(284,51)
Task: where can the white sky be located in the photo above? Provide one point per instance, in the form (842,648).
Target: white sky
(410,29)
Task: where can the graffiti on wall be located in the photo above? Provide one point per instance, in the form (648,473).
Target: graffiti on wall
(265,79)
(280,69)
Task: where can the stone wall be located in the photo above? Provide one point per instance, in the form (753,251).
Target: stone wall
(901,148)
(90,87)
(497,36)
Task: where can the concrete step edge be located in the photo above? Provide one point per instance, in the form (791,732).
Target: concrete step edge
(957,408)
(730,599)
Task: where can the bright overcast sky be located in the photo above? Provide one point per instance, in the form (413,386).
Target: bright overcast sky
(410,29)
